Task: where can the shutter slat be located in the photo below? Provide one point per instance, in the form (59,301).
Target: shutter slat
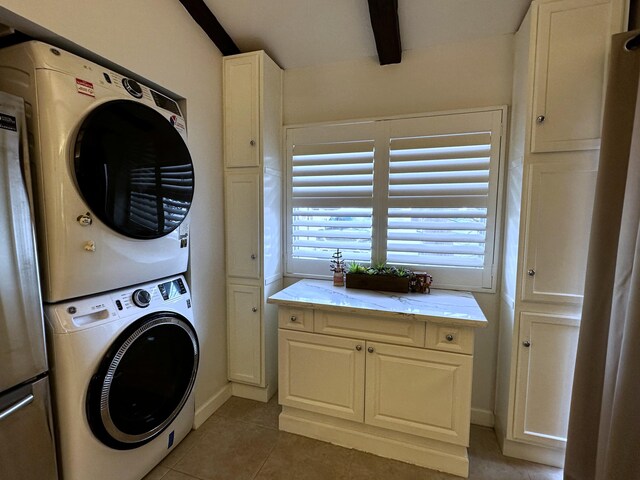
(435,248)
(439,165)
(480,176)
(437,212)
(425,224)
(321,222)
(334,148)
(331,233)
(454,189)
(476,261)
(353,191)
(430,236)
(332,169)
(333,180)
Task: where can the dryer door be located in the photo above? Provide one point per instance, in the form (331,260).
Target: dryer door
(143,381)
(133,169)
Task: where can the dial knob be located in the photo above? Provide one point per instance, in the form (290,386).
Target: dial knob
(141,298)
(132,87)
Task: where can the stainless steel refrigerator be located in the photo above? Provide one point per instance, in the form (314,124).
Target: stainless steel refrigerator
(26,431)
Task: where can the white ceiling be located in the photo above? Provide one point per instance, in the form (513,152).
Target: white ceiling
(297,33)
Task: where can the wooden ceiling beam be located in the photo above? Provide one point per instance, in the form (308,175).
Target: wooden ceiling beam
(211,26)
(386,30)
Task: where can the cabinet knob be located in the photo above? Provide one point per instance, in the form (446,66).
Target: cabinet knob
(293,318)
(526,343)
(370,350)
(540,119)
(449,338)
(531,272)
(254,309)
(252,142)
(358,347)
(253,256)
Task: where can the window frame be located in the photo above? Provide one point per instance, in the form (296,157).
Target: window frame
(381,132)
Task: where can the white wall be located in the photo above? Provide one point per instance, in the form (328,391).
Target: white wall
(464,75)
(158,40)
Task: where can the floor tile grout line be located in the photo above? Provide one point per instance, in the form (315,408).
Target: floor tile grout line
(265,460)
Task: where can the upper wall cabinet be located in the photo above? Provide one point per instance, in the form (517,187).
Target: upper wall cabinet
(570,65)
(252,111)
(242,117)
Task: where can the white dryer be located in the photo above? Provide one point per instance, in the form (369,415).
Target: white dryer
(113,177)
(123,368)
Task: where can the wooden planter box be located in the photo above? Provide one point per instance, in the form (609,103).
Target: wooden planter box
(386,283)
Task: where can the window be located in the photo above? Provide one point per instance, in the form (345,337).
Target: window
(418,192)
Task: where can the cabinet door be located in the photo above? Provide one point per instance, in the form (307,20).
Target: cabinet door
(569,74)
(321,374)
(546,358)
(558,224)
(242,216)
(241,111)
(418,391)
(244,332)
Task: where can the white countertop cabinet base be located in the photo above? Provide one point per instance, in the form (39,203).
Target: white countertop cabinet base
(396,385)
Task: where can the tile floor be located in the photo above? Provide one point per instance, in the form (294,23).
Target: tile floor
(241,441)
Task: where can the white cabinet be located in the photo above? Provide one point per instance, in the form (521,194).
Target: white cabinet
(244,333)
(406,389)
(322,374)
(557,228)
(242,111)
(252,93)
(397,387)
(570,65)
(242,232)
(546,360)
(560,64)
(418,391)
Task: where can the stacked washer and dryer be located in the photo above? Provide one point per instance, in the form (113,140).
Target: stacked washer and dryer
(113,184)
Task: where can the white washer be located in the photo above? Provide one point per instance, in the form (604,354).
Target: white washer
(123,366)
(113,177)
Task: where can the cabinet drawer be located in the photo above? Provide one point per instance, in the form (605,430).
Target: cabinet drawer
(295,319)
(400,332)
(449,339)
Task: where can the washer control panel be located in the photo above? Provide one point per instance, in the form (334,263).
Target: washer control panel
(141,298)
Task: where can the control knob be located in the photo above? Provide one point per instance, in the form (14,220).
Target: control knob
(141,298)
(132,87)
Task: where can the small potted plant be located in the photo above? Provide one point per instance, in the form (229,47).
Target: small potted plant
(379,277)
(337,267)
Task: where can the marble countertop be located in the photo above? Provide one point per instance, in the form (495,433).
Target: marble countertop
(439,306)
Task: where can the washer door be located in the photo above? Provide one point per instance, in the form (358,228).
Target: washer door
(133,169)
(143,381)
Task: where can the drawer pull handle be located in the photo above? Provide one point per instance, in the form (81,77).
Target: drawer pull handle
(531,272)
(358,347)
(540,119)
(370,350)
(252,142)
(526,343)
(253,256)
(254,309)
(449,338)
(293,318)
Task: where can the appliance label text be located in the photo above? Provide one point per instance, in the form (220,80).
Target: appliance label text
(84,87)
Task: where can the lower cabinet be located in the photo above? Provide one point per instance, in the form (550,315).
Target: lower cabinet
(244,330)
(545,365)
(406,389)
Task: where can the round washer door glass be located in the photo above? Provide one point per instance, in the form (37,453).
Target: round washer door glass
(143,381)
(133,169)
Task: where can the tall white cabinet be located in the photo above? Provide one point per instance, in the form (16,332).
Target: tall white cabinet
(559,79)
(252,92)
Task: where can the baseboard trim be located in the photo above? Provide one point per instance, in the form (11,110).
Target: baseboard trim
(260,394)
(420,451)
(533,453)
(484,418)
(211,405)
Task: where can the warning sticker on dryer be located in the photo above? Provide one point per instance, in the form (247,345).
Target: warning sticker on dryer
(84,87)
(177,122)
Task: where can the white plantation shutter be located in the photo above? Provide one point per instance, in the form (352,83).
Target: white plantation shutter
(434,196)
(331,197)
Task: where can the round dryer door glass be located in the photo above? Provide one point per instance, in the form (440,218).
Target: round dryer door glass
(133,169)
(143,381)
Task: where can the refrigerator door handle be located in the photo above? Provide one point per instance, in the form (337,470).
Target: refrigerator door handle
(16,406)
